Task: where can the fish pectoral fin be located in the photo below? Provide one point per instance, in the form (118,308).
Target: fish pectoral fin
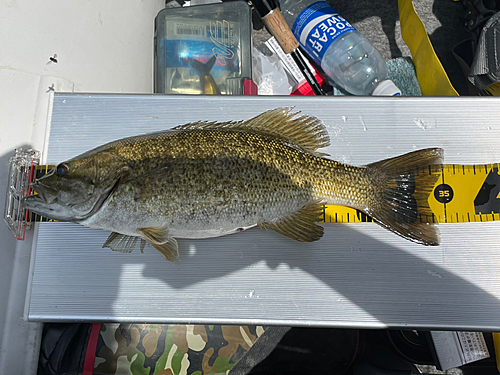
(120,242)
(159,238)
(300,225)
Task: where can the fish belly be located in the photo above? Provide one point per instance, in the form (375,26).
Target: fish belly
(206,233)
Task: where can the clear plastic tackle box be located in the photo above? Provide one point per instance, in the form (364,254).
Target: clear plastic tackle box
(204,49)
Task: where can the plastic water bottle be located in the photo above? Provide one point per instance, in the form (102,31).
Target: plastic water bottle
(345,55)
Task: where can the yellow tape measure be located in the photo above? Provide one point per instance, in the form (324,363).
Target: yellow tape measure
(466,193)
(463,193)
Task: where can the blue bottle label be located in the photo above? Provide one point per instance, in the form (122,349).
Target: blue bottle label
(317,27)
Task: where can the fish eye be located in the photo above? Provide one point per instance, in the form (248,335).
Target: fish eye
(62,170)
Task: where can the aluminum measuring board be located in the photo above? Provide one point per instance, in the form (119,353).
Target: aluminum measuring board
(358,275)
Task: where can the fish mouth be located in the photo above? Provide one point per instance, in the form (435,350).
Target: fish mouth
(45,193)
(38,205)
(45,190)
(44,197)
(45,203)
(31,202)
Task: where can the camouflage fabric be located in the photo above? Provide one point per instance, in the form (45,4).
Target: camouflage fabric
(171,349)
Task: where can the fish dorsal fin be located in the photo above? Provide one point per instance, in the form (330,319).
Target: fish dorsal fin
(300,225)
(120,242)
(161,241)
(305,131)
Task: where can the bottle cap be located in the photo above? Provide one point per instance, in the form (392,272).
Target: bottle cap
(386,88)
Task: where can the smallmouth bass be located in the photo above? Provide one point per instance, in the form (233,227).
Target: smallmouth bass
(208,179)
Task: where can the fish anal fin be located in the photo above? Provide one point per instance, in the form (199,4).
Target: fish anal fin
(305,131)
(404,184)
(120,242)
(300,225)
(159,238)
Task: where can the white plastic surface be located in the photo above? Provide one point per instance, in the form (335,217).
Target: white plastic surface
(100,46)
(25,104)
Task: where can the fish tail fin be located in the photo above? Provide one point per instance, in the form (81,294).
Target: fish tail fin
(403,185)
(202,68)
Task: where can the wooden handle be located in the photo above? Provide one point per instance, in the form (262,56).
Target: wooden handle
(278,27)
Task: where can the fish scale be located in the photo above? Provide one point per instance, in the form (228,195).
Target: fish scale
(208,172)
